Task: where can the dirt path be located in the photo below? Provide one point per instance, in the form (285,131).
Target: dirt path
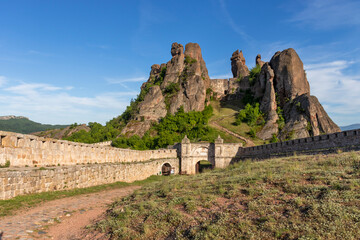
(61,219)
(248,142)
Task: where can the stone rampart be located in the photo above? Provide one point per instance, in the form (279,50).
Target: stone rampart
(347,140)
(28,150)
(19,181)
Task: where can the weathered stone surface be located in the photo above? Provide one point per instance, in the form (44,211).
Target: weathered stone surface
(238,66)
(258,60)
(175,66)
(290,78)
(193,81)
(268,103)
(137,127)
(306,117)
(153,107)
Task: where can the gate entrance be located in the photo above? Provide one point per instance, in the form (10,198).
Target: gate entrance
(202,165)
(166,169)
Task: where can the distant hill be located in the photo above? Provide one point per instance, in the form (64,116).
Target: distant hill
(350,127)
(24,125)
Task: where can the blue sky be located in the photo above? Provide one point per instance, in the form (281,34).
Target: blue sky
(82,61)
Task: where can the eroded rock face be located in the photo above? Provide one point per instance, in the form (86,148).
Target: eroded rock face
(153,107)
(175,65)
(184,84)
(238,66)
(290,78)
(258,60)
(306,117)
(268,103)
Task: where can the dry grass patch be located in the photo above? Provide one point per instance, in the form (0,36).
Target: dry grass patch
(301,197)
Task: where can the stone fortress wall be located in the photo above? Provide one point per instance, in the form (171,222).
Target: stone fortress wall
(39,164)
(27,150)
(346,140)
(85,165)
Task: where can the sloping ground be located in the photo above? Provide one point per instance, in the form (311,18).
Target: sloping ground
(224,118)
(305,197)
(63,132)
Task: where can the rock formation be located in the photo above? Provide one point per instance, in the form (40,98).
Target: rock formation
(182,81)
(238,66)
(284,78)
(281,88)
(258,60)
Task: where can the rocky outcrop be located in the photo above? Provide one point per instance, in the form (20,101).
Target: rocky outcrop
(281,88)
(153,107)
(290,78)
(304,117)
(238,66)
(268,103)
(175,65)
(285,88)
(258,61)
(182,81)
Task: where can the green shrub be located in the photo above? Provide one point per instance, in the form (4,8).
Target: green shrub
(172,88)
(274,138)
(254,74)
(5,165)
(251,115)
(189,60)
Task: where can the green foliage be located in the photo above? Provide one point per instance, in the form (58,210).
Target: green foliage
(189,60)
(309,128)
(97,133)
(5,165)
(172,129)
(172,88)
(26,126)
(254,74)
(252,133)
(159,80)
(251,115)
(274,138)
(299,108)
(248,97)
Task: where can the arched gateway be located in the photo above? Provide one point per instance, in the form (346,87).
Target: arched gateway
(218,154)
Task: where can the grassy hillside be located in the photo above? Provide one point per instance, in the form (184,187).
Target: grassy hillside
(24,125)
(225,116)
(300,197)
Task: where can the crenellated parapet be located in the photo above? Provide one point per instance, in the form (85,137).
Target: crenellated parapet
(28,150)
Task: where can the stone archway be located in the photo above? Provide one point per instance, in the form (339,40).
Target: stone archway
(202,165)
(166,169)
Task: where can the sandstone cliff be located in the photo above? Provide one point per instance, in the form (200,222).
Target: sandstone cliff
(286,91)
(280,86)
(182,81)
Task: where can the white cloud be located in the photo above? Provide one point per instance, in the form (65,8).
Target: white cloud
(329,14)
(336,90)
(123,80)
(46,103)
(2,81)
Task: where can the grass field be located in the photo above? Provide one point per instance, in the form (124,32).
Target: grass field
(225,116)
(299,197)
